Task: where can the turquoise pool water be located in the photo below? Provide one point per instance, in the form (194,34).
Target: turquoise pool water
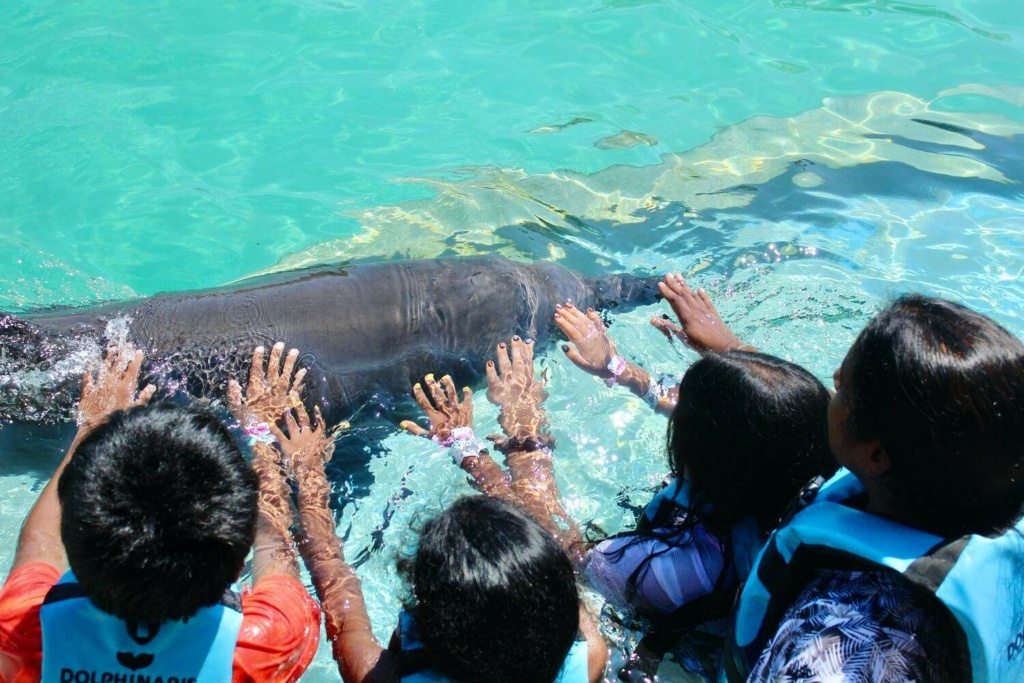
(805,160)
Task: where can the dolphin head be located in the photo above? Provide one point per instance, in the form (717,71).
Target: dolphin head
(621,290)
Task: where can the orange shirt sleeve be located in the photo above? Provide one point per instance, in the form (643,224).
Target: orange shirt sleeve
(280,631)
(21,634)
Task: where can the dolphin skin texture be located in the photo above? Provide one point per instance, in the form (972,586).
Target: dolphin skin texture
(362,329)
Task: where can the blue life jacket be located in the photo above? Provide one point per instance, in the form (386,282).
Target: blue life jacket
(414,669)
(972,576)
(83,644)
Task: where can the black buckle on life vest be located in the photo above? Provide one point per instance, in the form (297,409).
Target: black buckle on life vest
(804,498)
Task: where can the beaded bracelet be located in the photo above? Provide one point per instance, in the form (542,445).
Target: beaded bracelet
(527,444)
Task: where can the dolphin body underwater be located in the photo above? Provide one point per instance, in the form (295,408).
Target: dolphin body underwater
(363,330)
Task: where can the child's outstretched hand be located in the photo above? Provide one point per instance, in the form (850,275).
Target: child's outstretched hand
(591,348)
(443,409)
(114,386)
(700,326)
(304,443)
(514,387)
(270,391)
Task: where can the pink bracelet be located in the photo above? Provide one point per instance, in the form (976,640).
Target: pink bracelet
(259,433)
(616,366)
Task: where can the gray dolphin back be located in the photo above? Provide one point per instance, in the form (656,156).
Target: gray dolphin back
(369,328)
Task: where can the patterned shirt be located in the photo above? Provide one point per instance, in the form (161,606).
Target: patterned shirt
(858,627)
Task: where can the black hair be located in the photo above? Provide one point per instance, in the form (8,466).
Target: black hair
(495,595)
(158,512)
(749,430)
(941,388)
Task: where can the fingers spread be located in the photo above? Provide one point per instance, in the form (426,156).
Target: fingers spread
(134,367)
(518,361)
(504,362)
(668,328)
(256,373)
(493,382)
(146,394)
(300,377)
(300,410)
(421,399)
(274,365)
(579,321)
(291,424)
(449,390)
(436,392)
(289,367)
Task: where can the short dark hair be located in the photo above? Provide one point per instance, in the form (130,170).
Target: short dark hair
(158,512)
(749,430)
(496,596)
(941,387)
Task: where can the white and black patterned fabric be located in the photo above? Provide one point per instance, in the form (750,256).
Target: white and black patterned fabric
(857,627)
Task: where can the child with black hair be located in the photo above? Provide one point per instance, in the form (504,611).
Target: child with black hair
(495,595)
(746,432)
(908,564)
(156,510)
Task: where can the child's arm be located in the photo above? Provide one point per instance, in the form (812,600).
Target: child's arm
(527,445)
(451,425)
(268,393)
(306,447)
(593,351)
(115,387)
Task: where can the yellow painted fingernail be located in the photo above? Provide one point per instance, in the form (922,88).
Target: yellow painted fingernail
(429,378)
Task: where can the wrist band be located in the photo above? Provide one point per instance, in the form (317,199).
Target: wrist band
(259,432)
(653,393)
(465,448)
(666,382)
(616,366)
(457,434)
(527,444)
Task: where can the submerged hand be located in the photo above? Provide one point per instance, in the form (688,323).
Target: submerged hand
(592,349)
(514,388)
(270,390)
(446,413)
(304,443)
(113,387)
(701,326)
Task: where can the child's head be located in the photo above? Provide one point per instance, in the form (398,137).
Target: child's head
(748,432)
(929,413)
(158,512)
(495,595)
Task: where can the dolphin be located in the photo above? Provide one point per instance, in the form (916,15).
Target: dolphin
(364,329)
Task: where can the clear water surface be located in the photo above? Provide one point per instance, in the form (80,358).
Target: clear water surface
(804,160)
